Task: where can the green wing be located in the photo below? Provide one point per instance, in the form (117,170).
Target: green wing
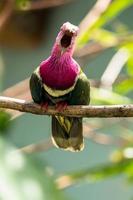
(38,93)
(81,93)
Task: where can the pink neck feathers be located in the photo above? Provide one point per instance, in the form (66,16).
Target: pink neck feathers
(59,71)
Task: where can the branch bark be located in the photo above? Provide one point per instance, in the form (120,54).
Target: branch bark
(99,111)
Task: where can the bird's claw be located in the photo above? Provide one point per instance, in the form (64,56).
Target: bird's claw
(44,105)
(61,106)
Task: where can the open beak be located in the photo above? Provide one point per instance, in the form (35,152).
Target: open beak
(66,39)
(69,33)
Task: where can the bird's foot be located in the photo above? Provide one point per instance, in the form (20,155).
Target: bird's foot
(61,106)
(44,105)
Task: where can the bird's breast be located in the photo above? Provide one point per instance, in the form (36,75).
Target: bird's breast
(59,77)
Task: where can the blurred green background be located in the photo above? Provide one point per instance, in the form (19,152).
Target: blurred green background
(17,62)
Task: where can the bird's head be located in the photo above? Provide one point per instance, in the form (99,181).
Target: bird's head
(66,38)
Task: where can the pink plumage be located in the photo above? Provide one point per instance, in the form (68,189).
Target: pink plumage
(60,70)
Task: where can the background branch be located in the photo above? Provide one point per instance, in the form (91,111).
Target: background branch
(114,68)
(72,111)
(88,133)
(47,4)
(6,12)
(92,16)
(37,147)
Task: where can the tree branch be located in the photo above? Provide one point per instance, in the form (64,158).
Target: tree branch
(94,174)
(72,111)
(6,12)
(37,147)
(47,4)
(114,68)
(98,138)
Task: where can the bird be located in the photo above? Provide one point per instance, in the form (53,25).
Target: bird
(60,81)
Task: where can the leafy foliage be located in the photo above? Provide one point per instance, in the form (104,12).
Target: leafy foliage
(104,171)
(104,96)
(115,8)
(22,179)
(4,121)
(23,4)
(122,163)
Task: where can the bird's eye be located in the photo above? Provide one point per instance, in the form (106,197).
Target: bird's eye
(66,40)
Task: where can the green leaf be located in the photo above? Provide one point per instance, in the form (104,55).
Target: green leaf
(21,179)
(23,4)
(125,86)
(115,8)
(130,66)
(103,96)
(129,47)
(4,121)
(106,38)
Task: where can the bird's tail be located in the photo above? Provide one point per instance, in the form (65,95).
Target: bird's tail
(67,133)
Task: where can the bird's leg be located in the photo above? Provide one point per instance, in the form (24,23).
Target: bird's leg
(60,106)
(44,105)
